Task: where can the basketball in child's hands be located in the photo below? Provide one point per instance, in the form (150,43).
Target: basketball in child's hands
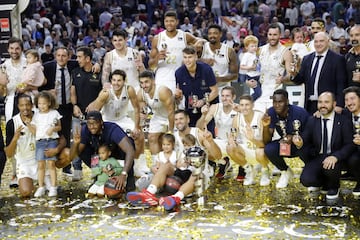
(110,189)
(172,184)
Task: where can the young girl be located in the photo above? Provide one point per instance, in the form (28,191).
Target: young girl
(45,125)
(108,167)
(33,76)
(167,154)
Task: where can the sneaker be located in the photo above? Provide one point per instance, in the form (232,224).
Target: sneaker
(77,176)
(143,197)
(52,192)
(67,172)
(224,165)
(144,181)
(212,168)
(276,171)
(241,174)
(356,190)
(332,194)
(169,202)
(14,182)
(265,177)
(284,179)
(324,190)
(40,192)
(249,176)
(313,189)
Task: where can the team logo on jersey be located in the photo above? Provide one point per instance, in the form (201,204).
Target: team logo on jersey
(123,98)
(180,38)
(130,59)
(232,115)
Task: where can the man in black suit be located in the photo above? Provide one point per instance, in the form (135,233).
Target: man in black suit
(58,75)
(323,159)
(322,71)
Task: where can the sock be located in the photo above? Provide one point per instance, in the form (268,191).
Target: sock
(152,188)
(179,194)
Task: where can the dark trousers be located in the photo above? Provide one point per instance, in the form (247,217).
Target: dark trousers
(66,112)
(272,152)
(314,175)
(2,163)
(352,164)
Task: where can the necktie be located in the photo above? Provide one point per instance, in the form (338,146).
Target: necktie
(325,137)
(63,90)
(313,75)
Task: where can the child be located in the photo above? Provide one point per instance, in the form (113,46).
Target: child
(298,46)
(167,154)
(249,65)
(33,76)
(107,167)
(188,141)
(45,125)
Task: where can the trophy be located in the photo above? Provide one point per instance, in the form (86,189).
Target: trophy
(163,47)
(233,132)
(357,126)
(296,126)
(282,125)
(206,96)
(357,66)
(109,167)
(295,59)
(194,100)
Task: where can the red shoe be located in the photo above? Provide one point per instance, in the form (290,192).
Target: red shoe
(169,202)
(224,165)
(144,197)
(241,174)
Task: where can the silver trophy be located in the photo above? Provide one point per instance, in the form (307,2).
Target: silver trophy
(233,132)
(207,100)
(295,59)
(296,126)
(357,126)
(195,98)
(282,125)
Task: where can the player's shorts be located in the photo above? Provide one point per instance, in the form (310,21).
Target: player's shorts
(126,123)
(27,170)
(158,125)
(183,174)
(250,154)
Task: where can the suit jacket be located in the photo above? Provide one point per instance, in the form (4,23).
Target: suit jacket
(50,73)
(332,77)
(341,139)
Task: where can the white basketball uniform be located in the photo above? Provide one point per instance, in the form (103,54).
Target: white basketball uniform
(116,109)
(221,64)
(271,67)
(26,165)
(159,122)
(246,144)
(165,72)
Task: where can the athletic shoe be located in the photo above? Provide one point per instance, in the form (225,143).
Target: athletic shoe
(313,189)
(47,182)
(265,177)
(14,182)
(276,171)
(143,197)
(52,192)
(356,190)
(67,172)
(77,176)
(144,181)
(40,192)
(332,194)
(249,176)
(224,165)
(284,179)
(169,202)
(241,174)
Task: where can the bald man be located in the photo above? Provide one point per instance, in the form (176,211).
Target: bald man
(321,71)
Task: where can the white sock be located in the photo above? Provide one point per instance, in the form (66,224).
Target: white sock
(179,194)
(152,188)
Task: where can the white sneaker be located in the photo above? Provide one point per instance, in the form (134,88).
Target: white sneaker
(313,189)
(144,181)
(14,182)
(52,192)
(284,179)
(77,175)
(275,171)
(40,192)
(265,177)
(249,176)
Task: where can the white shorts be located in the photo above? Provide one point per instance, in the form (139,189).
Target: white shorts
(250,154)
(222,145)
(96,189)
(27,171)
(126,123)
(158,125)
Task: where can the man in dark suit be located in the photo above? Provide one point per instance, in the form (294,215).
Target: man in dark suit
(322,71)
(59,83)
(325,144)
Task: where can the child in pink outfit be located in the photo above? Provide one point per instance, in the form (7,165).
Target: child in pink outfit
(33,75)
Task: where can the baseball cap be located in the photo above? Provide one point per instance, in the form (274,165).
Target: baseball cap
(94,115)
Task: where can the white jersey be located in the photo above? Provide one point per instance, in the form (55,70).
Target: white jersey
(221,64)
(256,126)
(223,121)
(158,108)
(25,147)
(271,67)
(127,64)
(165,73)
(116,109)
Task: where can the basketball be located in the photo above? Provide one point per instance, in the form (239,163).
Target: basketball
(172,184)
(110,189)
(63,158)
